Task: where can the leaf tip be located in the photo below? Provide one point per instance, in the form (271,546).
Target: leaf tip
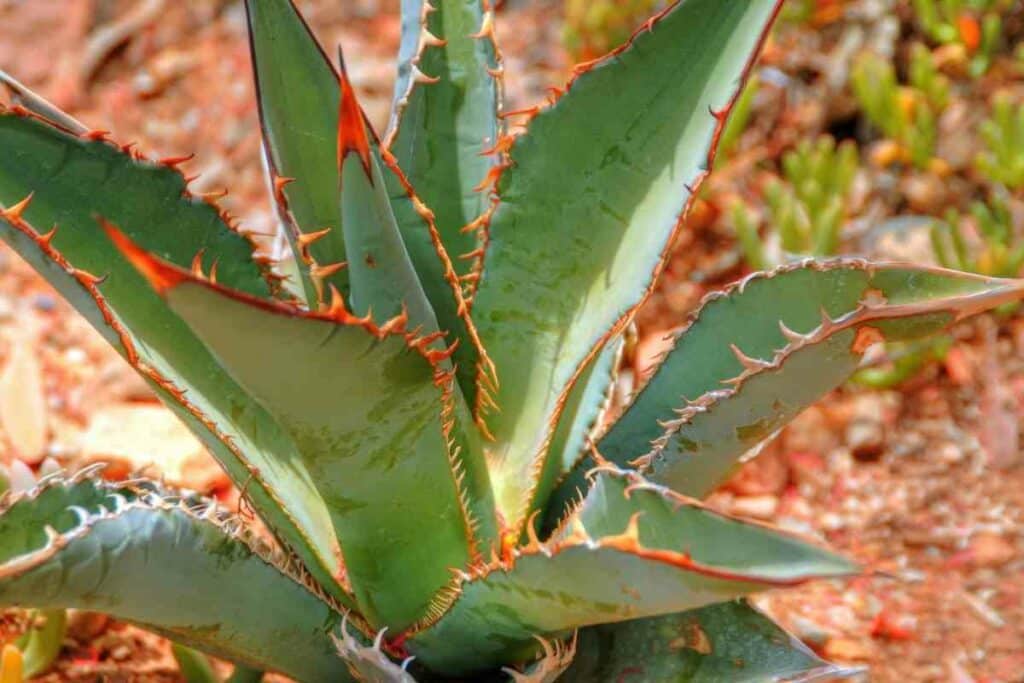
(352,137)
(160,276)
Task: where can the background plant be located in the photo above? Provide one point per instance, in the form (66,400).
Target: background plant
(999,249)
(807,211)
(906,115)
(974,25)
(592,28)
(1002,160)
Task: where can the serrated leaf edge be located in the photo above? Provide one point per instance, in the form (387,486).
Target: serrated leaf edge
(164,276)
(571,533)
(721,118)
(263,263)
(90,284)
(155,496)
(867,311)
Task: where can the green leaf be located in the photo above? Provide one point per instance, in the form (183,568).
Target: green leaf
(22,95)
(42,644)
(193,665)
(632,550)
(297,82)
(445,115)
(579,423)
(381,275)
(389,461)
(474,369)
(74,178)
(589,208)
(707,405)
(243,674)
(297,93)
(254,451)
(180,567)
(730,641)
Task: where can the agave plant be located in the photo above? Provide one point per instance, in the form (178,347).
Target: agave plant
(419,414)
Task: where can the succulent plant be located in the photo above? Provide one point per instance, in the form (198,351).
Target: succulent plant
(195,667)
(420,418)
(739,116)
(999,250)
(809,209)
(975,26)
(906,115)
(1002,160)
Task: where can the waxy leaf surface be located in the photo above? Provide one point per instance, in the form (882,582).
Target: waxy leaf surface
(297,93)
(588,210)
(632,550)
(446,114)
(831,313)
(74,180)
(173,566)
(730,641)
(386,459)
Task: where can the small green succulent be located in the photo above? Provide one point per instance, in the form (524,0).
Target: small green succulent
(419,415)
(809,209)
(974,25)
(906,115)
(1002,160)
(1000,249)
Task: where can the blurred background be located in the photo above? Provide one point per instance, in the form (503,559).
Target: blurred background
(886,128)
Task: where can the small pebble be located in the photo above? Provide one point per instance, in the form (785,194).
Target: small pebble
(44,302)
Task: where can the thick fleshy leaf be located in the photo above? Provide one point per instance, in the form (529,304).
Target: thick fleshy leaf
(382,279)
(72,179)
(589,208)
(436,270)
(278,32)
(297,93)
(579,424)
(730,641)
(179,566)
(753,357)
(23,96)
(388,460)
(445,118)
(632,550)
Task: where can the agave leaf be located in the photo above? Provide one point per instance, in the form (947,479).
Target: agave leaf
(182,568)
(279,37)
(579,423)
(256,453)
(298,97)
(449,75)
(730,641)
(474,369)
(399,431)
(22,95)
(631,550)
(589,208)
(243,674)
(381,275)
(71,178)
(798,332)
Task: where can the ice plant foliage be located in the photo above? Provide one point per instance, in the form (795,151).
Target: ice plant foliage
(418,412)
